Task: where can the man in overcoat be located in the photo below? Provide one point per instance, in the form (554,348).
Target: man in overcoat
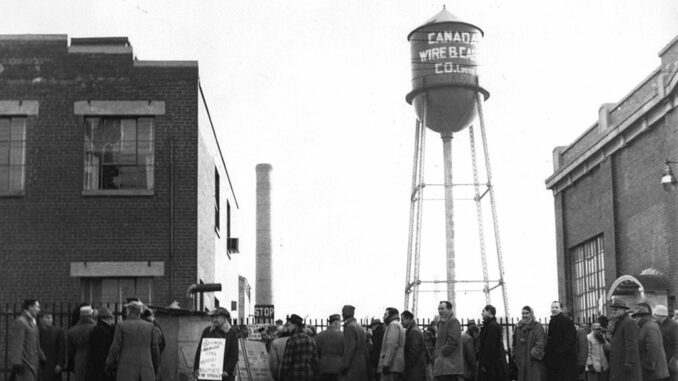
(300,361)
(53,345)
(330,350)
(78,342)
(392,356)
(624,355)
(448,364)
(491,355)
(375,338)
(354,360)
(650,345)
(669,329)
(415,358)
(100,342)
(135,353)
(561,346)
(24,343)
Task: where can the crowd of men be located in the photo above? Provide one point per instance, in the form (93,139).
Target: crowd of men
(95,348)
(642,345)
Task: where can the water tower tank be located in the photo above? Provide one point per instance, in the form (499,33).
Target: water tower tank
(444,72)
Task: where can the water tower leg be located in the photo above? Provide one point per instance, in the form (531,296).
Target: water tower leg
(413,212)
(449,215)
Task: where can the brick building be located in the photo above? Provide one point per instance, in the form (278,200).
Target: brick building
(112,182)
(616,228)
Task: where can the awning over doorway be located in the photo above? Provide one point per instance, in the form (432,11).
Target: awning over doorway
(627,285)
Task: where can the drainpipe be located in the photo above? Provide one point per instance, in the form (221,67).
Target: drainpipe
(171,219)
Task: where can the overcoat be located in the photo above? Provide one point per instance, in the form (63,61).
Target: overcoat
(275,355)
(596,358)
(449,358)
(330,350)
(470,364)
(135,352)
(669,329)
(100,342)
(529,345)
(78,346)
(354,360)
(393,348)
(24,347)
(491,355)
(651,350)
(625,351)
(300,361)
(561,349)
(53,345)
(415,363)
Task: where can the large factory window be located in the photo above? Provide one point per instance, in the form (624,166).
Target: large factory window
(588,265)
(116,290)
(119,154)
(12,154)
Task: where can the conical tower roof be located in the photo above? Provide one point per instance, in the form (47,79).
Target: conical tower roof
(444,16)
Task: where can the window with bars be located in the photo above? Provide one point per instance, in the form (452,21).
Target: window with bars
(12,154)
(588,276)
(119,153)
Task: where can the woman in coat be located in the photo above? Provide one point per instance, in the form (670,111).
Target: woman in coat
(529,344)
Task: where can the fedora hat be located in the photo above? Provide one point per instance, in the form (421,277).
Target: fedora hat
(619,304)
(643,309)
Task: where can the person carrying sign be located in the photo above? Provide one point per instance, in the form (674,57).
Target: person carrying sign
(220,329)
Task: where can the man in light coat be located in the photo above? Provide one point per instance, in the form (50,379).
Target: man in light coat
(78,342)
(135,352)
(330,344)
(596,361)
(650,345)
(354,360)
(277,351)
(624,355)
(449,362)
(24,343)
(669,329)
(392,355)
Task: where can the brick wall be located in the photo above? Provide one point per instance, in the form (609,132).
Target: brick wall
(53,224)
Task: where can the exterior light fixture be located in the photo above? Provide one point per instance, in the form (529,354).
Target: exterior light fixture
(668,179)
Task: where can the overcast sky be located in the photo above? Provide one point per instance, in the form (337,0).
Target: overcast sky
(316,88)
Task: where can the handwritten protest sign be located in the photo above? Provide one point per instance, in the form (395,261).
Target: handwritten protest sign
(211,359)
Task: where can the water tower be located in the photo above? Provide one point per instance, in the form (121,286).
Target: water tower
(447,97)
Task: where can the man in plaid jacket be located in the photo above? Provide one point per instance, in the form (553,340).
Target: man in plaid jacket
(300,361)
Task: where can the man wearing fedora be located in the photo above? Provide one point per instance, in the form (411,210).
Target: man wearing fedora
(134,353)
(330,349)
(354,360)
(375,335)
(220,329)
(78,342)
(650,345)
(669,330)
(624,356)
(300,361)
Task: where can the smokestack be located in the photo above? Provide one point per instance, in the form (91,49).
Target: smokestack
(264,260)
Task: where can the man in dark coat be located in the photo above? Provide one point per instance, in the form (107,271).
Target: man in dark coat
(99,344)
(134,354)
(78,342)
(330,350)
(53,345)
(624,356)
(468,342)
(491,354)
(24,343)
(415,362)
(300,361)
(650,345)
(220,329)
(561,347)
(669,330)
(354,361)
(376,333)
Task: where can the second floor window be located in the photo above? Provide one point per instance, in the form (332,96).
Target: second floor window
(119,153)
(12,154)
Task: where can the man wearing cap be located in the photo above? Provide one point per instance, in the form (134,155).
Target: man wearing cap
(134,353)
(78,342)
(220,329)
(330,350)
(300,361)
(53,345)
(596,361)
(650,345)
(375,335)
(354,360)
(101,340)
(624,356)
(449,361)
(415,359)
(24,343)
(561,346)
(669,330)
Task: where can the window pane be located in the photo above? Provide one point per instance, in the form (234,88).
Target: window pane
(128,152)
(145,153)
(132,178)
(17,153)
(145,129)
(127,288)
(110,177)
(16,178)
(109,290)
(144,289)
(18,129)
(111,154)
(4,179)
(4,153)
(149,177)
(4,129)
(129,129)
